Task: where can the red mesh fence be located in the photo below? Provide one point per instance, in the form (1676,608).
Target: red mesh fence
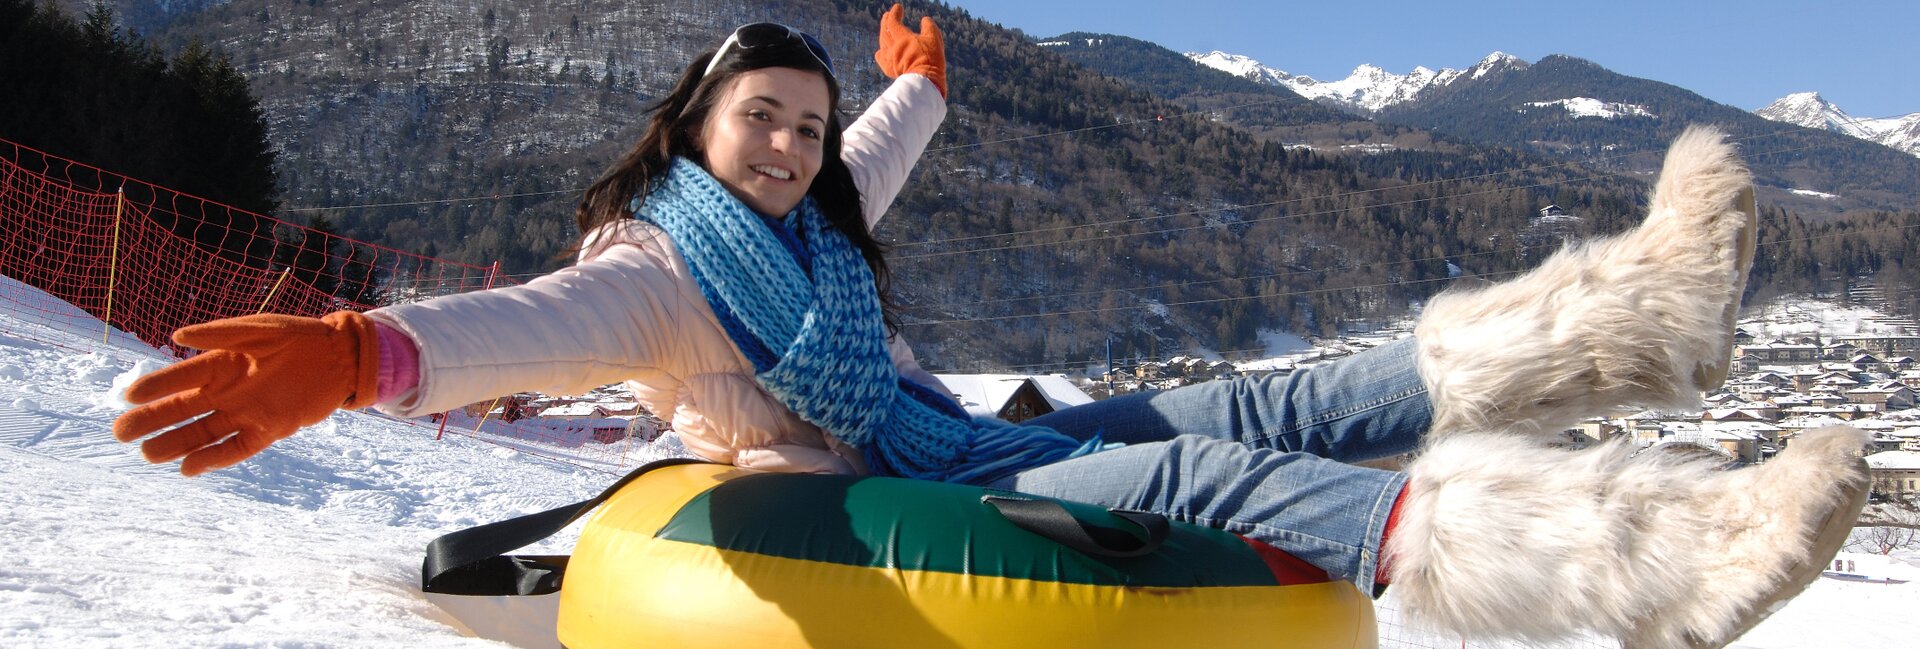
(147,260)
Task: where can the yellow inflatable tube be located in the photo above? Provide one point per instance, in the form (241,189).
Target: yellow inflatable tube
(712,556)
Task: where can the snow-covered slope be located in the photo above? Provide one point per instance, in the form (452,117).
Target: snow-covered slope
(316,542)
(1811,110)
(1369,89)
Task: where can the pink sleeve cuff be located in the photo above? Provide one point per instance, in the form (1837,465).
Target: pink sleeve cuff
(399,363)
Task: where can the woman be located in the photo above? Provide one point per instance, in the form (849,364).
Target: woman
(728,275)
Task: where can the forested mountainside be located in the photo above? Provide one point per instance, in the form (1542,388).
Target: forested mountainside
(1057,207)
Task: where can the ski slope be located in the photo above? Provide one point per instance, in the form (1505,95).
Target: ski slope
(317,541)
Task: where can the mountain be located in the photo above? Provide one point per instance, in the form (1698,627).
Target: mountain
(1272,111)
(1060,205)
(1811,110)
(1574,109)
(1368,90)
(1169,75)
(1080,207)
(1578,110)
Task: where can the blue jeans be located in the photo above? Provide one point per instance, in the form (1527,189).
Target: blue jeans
(1264,457)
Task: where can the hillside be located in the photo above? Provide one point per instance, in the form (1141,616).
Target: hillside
(1058,207)
(1537,106)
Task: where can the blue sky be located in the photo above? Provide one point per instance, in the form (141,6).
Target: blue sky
(1863,56)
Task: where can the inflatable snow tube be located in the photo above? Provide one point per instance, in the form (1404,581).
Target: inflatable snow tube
(703,555)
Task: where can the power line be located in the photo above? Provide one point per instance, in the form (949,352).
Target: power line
(1156,119)
(432,201)
(1035,244)
(1138,307)
(1243,278)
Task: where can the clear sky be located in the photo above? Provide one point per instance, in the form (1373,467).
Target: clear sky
(1862,55)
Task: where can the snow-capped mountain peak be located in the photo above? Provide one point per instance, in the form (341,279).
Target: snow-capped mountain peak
(1241,66)
(1496,62)
(1368,89)
(1811,110)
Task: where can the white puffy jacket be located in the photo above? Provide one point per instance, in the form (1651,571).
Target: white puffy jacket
(630,311)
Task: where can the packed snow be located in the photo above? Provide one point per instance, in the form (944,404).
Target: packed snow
(1578,107)
(317,541)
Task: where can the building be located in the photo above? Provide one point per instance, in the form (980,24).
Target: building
(1895,473)
(1885,345)
(1013,397)
(1883,396)
(1777,353)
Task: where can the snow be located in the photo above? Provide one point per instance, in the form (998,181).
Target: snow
(1589,107)
(1811,110)
(1368,88)
(317,541)
(1809,192)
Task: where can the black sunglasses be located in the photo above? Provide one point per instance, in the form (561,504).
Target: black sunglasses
(759,35)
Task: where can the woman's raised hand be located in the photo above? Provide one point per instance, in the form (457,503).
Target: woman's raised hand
(902,51)
(261,378)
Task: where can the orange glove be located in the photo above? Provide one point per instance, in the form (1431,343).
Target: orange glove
(902,51)
(263,377)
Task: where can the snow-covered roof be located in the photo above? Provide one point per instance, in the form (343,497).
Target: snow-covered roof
(1743,427)
(1896,460)
(575,409)
(1883,386)
(1811,421)
(1722,414)
(986,394)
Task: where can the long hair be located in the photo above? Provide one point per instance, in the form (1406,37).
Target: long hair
(669,133)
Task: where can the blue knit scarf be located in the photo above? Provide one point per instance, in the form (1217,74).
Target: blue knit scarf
(799,301)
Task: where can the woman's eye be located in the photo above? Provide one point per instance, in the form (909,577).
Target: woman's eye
(759,115)
(810,132)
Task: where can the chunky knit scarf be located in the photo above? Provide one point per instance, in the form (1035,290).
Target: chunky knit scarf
(798,300)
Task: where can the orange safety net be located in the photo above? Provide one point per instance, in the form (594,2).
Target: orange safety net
(147,260)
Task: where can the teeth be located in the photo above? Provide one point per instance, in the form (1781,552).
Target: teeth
(774,171)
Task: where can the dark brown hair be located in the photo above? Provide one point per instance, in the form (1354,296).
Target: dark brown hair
(670,132)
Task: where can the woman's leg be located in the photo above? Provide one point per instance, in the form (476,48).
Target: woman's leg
(1644,318)
(1369,405)
(1325,512)
(1496,536)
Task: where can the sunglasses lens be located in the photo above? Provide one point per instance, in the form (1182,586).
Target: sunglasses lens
(819,51)
(762,34)
(765,34)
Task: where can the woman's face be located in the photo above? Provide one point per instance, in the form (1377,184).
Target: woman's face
(766,135)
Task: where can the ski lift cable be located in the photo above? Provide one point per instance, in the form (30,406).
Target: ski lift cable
(1033,244)
(1136,307)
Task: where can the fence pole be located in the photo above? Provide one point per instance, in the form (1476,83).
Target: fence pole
(275,289)
(485,415)
(113,263)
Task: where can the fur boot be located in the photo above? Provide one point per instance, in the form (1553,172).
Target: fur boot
(1644,318)
(1664,551)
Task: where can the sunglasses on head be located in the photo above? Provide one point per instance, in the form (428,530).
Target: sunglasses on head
(758,35)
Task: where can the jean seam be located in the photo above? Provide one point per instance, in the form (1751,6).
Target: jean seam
(1242,528)
(1343,413)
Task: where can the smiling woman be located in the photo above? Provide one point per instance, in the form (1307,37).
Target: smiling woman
(729,277)
(765,140)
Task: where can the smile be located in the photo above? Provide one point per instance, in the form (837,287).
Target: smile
(776,172)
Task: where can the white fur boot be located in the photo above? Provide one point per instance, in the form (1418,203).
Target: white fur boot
(1497,538)
(1643,318)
